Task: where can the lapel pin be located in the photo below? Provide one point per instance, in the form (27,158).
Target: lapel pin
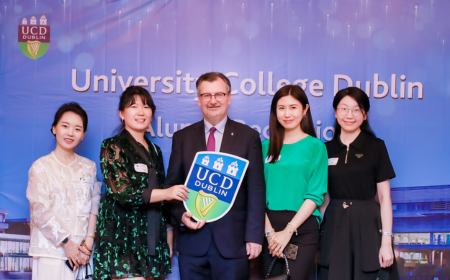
(232,133)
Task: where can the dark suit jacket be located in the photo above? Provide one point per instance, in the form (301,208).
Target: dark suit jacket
(245,220)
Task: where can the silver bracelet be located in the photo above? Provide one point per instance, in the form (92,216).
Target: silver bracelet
(169,228)
(268,233)
(387,233)
(292,228)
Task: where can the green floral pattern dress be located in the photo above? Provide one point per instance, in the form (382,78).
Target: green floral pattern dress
(121,232)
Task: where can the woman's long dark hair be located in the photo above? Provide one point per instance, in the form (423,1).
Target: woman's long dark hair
(277,130)
(363,103)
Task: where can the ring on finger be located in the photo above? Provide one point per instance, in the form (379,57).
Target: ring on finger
(178,193)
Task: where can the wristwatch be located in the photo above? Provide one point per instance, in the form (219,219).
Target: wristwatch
(65,241)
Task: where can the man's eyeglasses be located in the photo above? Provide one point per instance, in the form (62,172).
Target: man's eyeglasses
(218,96)
(343,111)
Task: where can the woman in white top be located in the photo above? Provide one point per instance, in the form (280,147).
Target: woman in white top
(64,198)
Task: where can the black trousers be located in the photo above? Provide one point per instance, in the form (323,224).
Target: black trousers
(213,266)
(307,240)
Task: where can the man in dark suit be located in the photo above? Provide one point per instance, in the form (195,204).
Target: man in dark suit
(220,249)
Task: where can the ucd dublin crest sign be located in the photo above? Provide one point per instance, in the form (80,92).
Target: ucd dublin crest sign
(214,181)
(34,36)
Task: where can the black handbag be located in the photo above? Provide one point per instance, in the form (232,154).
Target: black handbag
(388,273)
(279,277)
(84,272)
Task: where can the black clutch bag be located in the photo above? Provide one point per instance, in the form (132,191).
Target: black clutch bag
(68,265)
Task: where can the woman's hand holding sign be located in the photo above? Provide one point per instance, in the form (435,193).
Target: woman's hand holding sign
(177,192)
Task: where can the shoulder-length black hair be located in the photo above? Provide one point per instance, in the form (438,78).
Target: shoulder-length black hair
(277,130)
(73,107)
(363,102)
(128,98)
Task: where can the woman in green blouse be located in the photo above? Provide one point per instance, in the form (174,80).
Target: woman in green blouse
(133,237)
(295,170)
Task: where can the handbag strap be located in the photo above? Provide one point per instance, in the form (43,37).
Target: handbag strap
(84,272)
(89,272)
(270,267)
(273,262)
(378,275)
(287,265)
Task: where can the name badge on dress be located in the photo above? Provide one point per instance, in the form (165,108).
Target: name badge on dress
(87,181)
(140,167)
(333,161)
(268,159)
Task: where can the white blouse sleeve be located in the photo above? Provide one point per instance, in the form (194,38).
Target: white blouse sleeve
(96,194)
(41,215)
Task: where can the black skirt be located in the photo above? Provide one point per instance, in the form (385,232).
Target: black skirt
(307,240)
(350,242)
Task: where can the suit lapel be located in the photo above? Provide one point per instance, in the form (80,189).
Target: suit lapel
(229,135)
(199,137)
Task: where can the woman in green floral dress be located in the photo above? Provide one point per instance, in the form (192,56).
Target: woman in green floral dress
(132,231)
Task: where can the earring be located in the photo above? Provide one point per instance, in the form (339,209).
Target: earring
(304,116)
(123,120)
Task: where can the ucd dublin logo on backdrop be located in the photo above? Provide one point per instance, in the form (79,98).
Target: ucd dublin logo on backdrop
(214,181)
(34,37)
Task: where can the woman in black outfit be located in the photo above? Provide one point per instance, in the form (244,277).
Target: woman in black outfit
(356,234)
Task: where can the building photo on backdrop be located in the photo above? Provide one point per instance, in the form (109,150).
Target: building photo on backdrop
(90,51)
